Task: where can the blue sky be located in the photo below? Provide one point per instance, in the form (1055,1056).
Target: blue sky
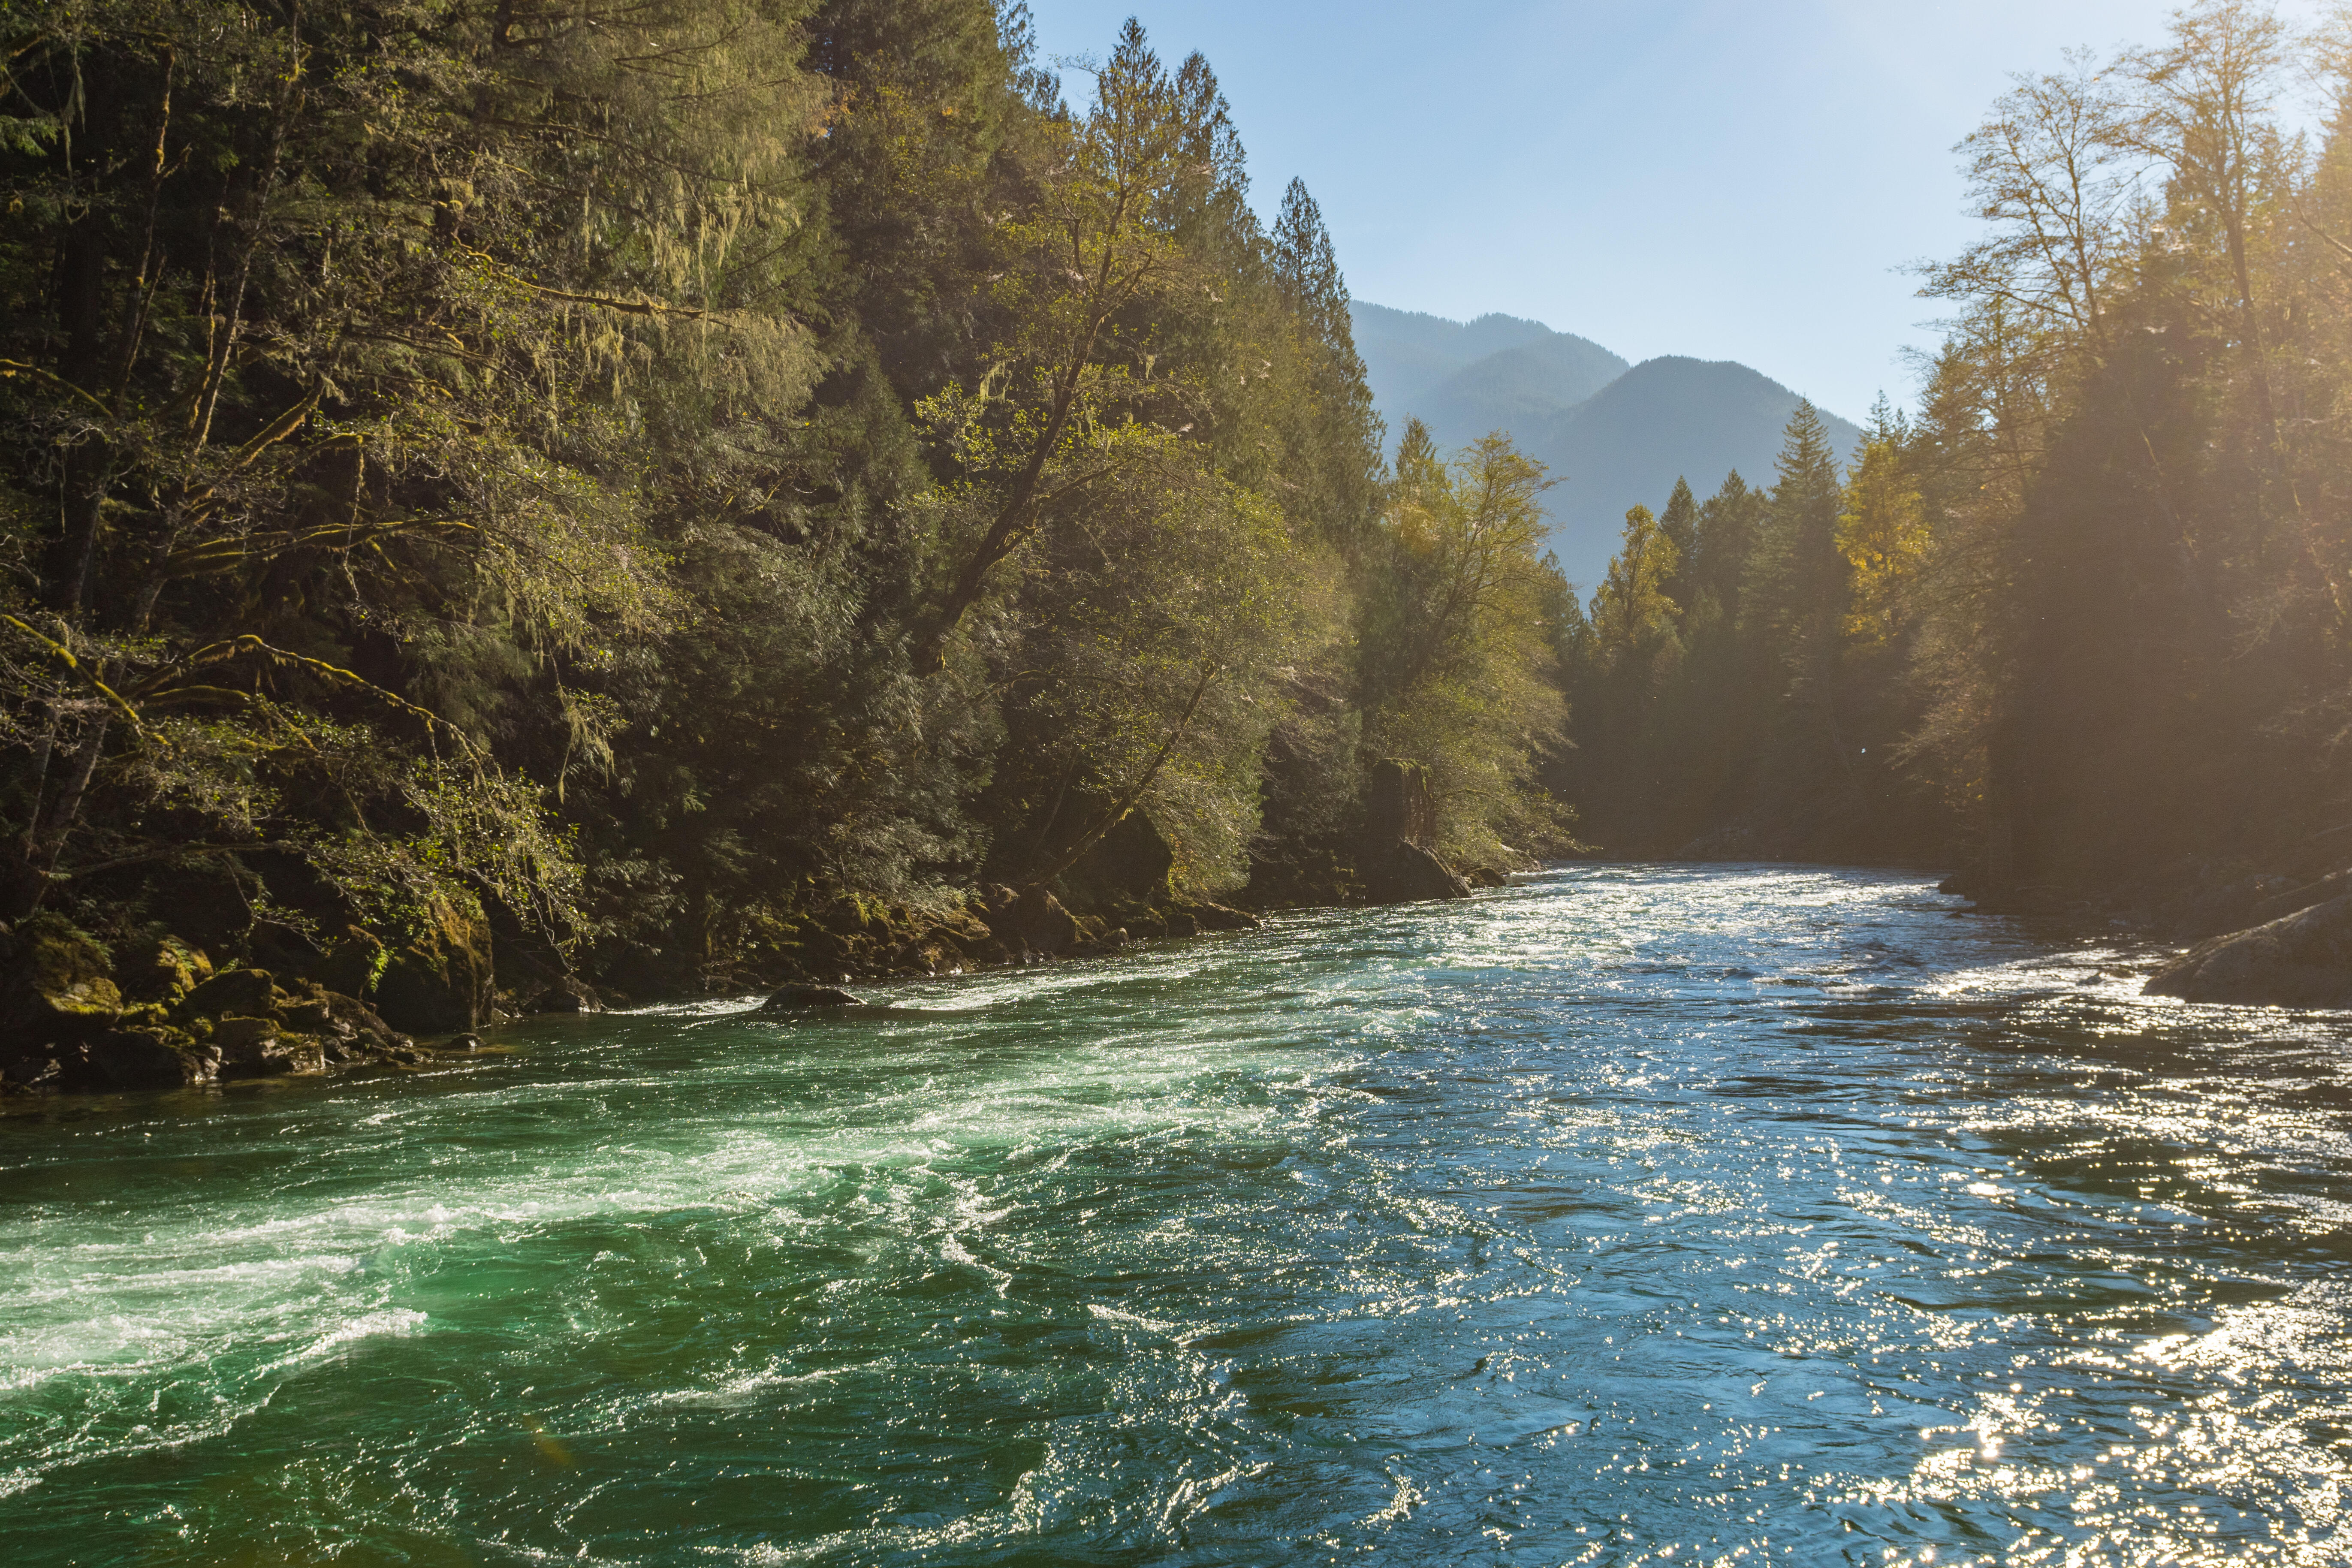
(1727,180)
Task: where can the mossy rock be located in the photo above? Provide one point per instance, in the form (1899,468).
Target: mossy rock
(149,1058)
(242,993)
(59,982)
(440,981)
(162,969)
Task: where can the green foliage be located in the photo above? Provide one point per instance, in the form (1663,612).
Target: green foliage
(646,479)
(1456,675)
(2085,614)
(1633,613)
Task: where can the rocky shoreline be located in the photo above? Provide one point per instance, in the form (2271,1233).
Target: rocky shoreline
(73,1021)
(2273,932)
(2276,937)
(82,1016)
(72,1030)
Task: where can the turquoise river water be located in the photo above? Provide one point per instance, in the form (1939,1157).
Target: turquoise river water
(1672,1215)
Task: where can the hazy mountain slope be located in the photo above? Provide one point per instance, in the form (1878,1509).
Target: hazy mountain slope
(1664,418)
(1616,436)
(1518,387)
(1407,354)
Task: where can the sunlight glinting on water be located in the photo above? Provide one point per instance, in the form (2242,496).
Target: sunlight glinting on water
(1631,1215)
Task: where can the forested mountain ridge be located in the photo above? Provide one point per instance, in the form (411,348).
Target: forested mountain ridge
(505,504)
(1612,433)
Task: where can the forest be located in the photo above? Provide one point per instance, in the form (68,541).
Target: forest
(516,506)
(531,506)
(2077,625)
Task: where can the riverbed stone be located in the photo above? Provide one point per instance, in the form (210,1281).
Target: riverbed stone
(2302,960)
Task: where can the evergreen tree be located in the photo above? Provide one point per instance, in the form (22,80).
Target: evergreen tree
(1729,523)
(1633,613)
(1794,603)
(1680,523)
(1881,531)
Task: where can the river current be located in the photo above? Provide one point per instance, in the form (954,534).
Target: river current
(1631,1215)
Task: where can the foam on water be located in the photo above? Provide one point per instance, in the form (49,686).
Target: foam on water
(1635,1215)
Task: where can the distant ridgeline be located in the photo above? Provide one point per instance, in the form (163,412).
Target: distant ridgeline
(1613,434)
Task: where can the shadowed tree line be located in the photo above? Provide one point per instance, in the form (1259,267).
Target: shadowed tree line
(689,493)
(2079,622)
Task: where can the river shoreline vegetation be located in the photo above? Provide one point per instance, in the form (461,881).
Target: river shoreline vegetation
(519,507)
(510,506)
(2078,625)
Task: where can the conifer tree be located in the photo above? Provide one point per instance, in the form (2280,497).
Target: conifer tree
(1794,601)
(1680,523)
(1337,424)
(1633,613)
(1883,531)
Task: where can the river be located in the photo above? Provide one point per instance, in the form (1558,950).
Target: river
(1631,1215)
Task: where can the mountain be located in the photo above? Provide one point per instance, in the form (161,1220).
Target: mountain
(1414,362)
(1663,419)
(1510,390)
(1614,435)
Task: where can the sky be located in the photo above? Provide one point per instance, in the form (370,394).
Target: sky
(1720,178)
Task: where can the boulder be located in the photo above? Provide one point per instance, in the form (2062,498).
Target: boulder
(349,1030)
(150,1059)
(2303,960)
(439,982)
(1403,872)
(1206,916)
(929,954)
(58,983)
(807,998)
(1398,804)
(1106,939)
(351,963)
(1130,864)
(2228,907)
(567,993)
(2332,886)
(162,969)
(1044,926)
(240,1036)
(232,992)
(261,1047)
